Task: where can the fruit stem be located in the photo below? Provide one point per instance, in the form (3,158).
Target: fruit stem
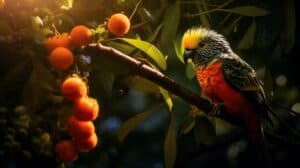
(135,9)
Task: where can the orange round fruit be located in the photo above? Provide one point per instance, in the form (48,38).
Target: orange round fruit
(61,40)
(80,129)
(80,35)
(61,58)
(86,144)
(73,88)
(65,151)
(118,24)
(86,109)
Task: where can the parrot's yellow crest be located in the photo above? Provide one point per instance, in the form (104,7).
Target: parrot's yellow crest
(193,36)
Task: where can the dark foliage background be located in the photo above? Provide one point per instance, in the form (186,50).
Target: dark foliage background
(264,33)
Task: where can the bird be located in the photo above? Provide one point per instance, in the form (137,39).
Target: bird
(227,80)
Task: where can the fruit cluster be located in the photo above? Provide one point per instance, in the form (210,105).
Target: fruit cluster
(79,125)
(59,46)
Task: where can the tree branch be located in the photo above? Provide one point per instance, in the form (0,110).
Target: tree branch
(151,74)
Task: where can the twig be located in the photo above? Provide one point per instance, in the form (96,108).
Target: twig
(135,9)
(188,15)
(219,8)
(55,29)
(138,25)
(196,2)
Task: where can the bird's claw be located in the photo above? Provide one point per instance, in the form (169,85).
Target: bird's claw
(216,109)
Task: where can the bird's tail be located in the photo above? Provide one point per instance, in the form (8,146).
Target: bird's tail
(293,130)
(255,126)
(263,154)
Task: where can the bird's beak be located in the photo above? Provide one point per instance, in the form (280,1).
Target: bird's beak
(187,54)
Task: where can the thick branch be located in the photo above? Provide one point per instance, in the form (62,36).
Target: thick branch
(151,74)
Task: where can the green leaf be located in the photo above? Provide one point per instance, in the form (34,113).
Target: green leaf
(190,69)
(141,84)
(268,81)
(31,91)
(39,33)
(40,83)
(150,50)
(288,34)
(66,4)
(125,48)
(170,147)
(187,125)
(133,122)
(203,18)
(170,25)
(178,49)
(167,98)
(276,53)
(147,86)
(155,34)
(47,81)
(14,73)
(103,82)
(204,130)
(248,39)
(226,30)
(248,11)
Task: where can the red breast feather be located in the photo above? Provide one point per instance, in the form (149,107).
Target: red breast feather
(215,86)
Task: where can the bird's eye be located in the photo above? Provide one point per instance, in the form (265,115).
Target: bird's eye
(201,44)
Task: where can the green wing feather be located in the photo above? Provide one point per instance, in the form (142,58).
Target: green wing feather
(242,77)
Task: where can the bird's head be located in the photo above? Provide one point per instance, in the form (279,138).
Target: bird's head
(203,45)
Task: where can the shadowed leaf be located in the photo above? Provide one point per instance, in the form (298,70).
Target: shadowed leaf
(203,18)
(15,72)
(170,25)
(141,84)
(288,34)
(47,80)
(178,49)
(187,125)
(248,38)
(133,122)
(170,147)
(103,82)
(249,11)
(167,98)
(190,69)
(155,34)
(204,130)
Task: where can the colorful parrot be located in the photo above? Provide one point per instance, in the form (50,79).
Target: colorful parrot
(227,79)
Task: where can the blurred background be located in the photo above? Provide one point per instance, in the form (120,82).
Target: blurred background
(263,32)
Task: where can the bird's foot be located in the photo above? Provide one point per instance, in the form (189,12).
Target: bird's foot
(216,109)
